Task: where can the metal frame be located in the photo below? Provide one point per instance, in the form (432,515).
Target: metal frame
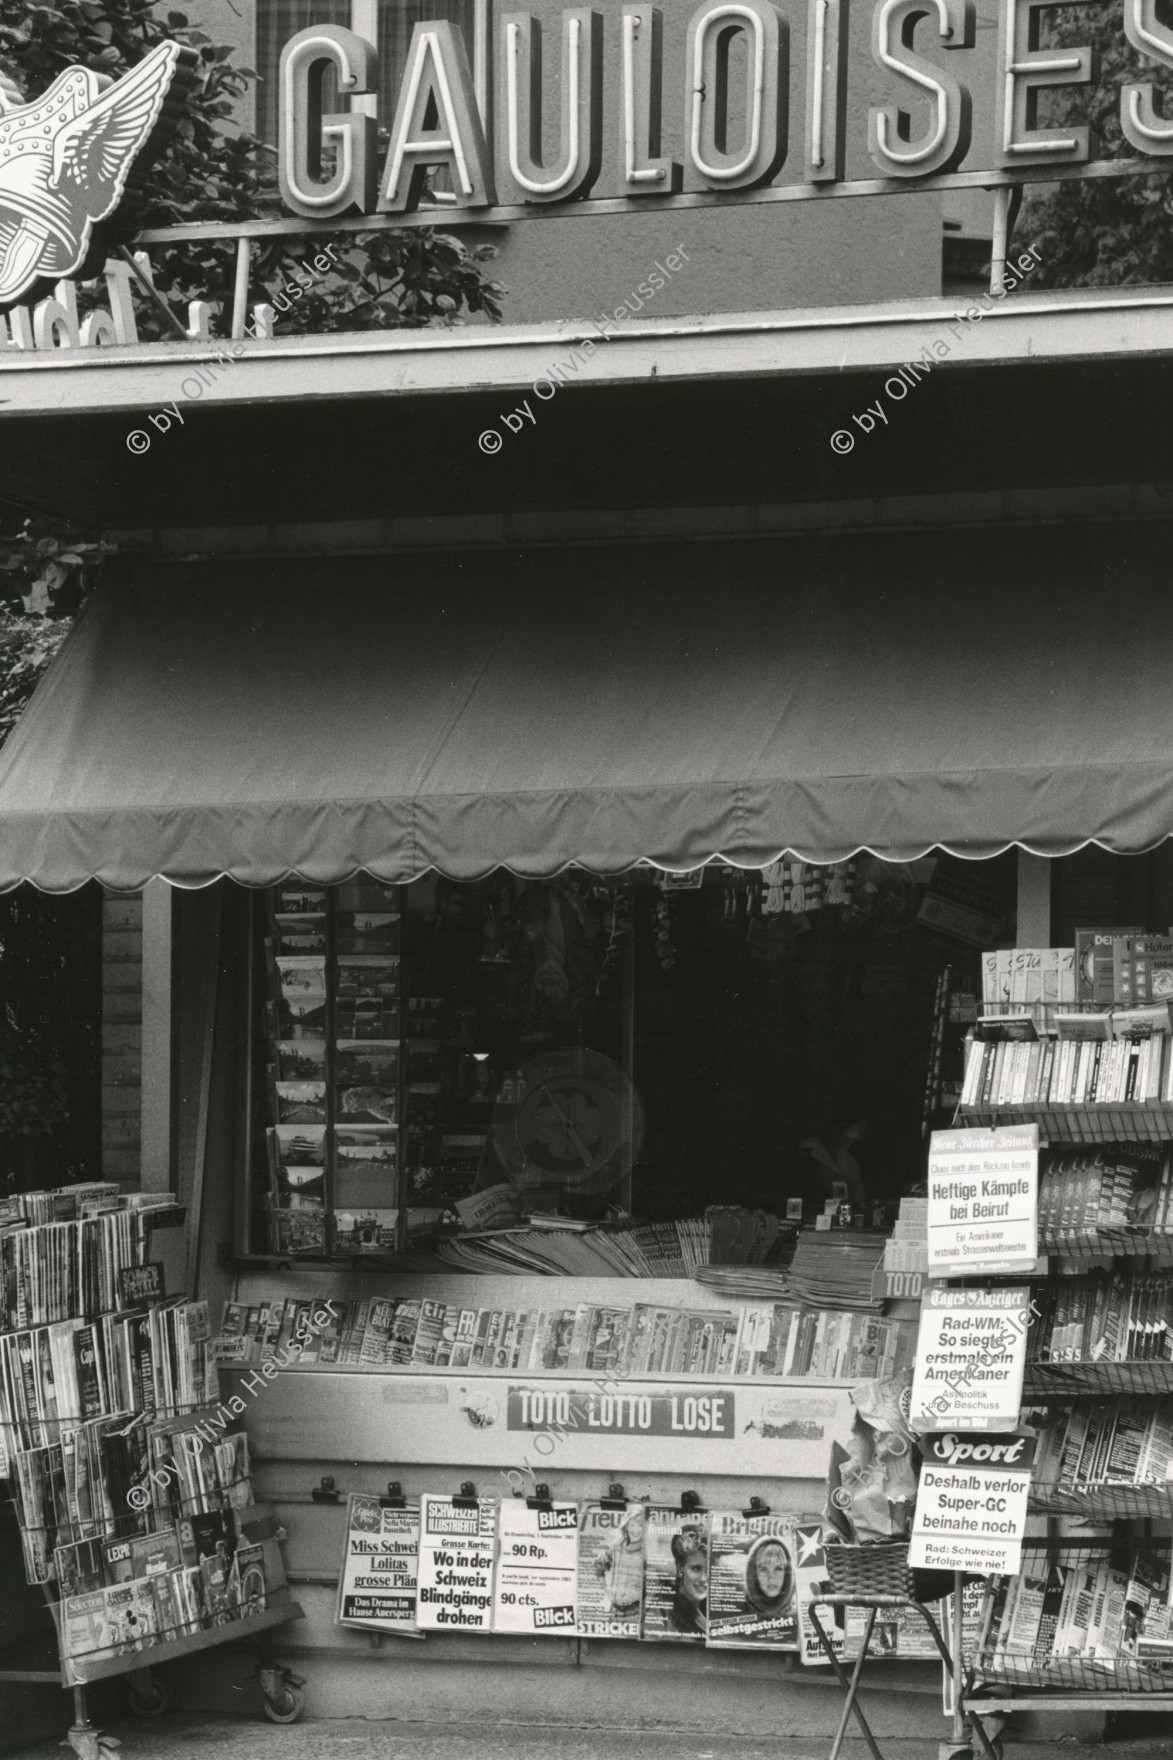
(953,1662)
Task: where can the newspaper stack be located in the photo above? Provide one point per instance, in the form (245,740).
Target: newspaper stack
(835,1269)
(908,1248)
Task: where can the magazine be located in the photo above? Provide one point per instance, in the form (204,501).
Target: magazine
(676,1576)
(610,1571)
(752,1597)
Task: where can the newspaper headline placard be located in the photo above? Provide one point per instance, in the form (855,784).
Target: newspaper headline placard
(983,1201)
(970,1359)
(377,1586)
(970,1518)
(456,1554)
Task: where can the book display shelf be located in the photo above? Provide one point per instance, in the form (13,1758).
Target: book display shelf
(1096,1076)
(129,1477)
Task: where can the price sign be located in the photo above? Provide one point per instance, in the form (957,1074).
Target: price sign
(138,1284)
(537,1568)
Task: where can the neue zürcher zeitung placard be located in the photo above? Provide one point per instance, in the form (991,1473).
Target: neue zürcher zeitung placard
(983,1201)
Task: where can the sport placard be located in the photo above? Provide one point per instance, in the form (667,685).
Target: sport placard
(970,1359)
(970,1518)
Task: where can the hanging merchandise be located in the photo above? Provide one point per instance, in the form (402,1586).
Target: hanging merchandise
(872,1480)
(377,1586)
(662,930)
(676,1576)
(802,887)
(611,1570)
(752,1597)
(456,1548)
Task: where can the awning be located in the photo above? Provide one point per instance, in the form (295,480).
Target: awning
(659,704)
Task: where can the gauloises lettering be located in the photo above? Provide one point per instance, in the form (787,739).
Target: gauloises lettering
(725,91)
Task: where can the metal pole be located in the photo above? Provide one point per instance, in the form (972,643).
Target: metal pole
(958,1658)
(1001,235)
(244,257)
(152,292)
(626,1187)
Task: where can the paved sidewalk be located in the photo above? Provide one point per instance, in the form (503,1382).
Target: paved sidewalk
(251,1738)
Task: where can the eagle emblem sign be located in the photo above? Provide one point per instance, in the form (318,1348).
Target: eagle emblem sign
(66,158)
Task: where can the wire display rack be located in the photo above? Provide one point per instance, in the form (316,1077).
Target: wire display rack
(137,1657)
(52,1511)
(1049,1383)
(1151,1248)
(1075,1674)
(1034,1673)
(1099,1501)
(1151,1122)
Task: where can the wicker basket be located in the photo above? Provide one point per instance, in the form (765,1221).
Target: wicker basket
(879,1569)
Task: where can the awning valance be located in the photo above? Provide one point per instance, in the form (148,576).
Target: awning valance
(658,704)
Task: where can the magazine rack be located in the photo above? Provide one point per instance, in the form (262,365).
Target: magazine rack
(148,1695)
(86,1414)
(998,1683)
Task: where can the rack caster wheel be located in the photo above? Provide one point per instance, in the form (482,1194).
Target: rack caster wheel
(89,1743)
(286,1705)
(148,1696)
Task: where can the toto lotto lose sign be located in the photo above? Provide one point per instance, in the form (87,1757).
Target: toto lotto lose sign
(700,103)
